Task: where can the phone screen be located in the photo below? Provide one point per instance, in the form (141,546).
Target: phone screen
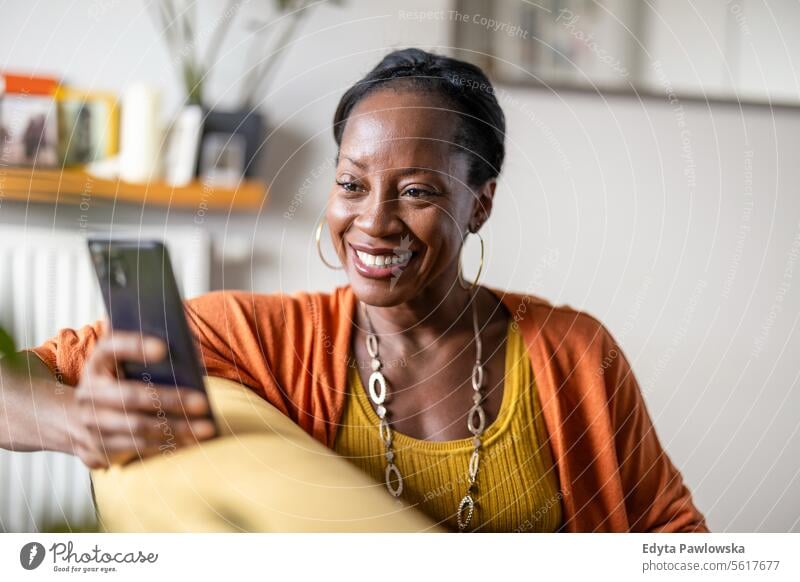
(141,295)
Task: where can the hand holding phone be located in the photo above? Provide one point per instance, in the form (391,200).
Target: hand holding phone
(141,391)
(119,420)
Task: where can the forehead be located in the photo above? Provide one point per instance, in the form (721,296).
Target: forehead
(401,128)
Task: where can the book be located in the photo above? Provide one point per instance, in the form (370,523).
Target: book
(19,83)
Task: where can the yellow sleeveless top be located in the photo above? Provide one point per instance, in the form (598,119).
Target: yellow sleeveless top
(518,487)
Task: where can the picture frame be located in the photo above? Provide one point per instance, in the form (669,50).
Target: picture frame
(247,125)
(88,125)
(28,130)
(223,159)
(572,44)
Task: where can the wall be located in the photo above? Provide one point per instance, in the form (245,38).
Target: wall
(677,224)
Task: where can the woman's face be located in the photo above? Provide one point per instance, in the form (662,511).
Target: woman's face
(401,204)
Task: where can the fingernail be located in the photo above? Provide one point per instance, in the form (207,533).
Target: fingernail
(196,402)
(203,429)
(154,345)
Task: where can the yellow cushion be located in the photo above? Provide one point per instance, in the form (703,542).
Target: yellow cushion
(263,473)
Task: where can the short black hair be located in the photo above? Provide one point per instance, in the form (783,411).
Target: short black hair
(482,129)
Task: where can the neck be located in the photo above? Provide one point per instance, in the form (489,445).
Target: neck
(424,319)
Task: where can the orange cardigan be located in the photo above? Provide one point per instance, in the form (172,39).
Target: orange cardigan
(294,351)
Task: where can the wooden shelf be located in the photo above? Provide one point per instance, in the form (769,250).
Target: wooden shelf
(75,187)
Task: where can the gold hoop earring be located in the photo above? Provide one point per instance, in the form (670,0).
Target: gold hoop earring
(318,236)
(480,266)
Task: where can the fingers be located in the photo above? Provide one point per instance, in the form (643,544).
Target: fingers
(149,429)
(112,437)
(124,346)
(117,420)
(132,396)
(119,449)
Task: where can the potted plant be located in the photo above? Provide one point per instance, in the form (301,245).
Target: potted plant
(240,129)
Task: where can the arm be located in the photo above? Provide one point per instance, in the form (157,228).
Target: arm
(67,397)
(656,498)
(35,408)
(102,418)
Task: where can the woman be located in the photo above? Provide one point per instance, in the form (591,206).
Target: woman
(487,410)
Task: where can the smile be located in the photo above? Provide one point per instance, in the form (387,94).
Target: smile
(380,266)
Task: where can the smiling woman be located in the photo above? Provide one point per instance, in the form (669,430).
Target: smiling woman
(485,409)
(419,150)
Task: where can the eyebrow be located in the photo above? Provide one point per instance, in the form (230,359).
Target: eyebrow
(401,171)
(355,163)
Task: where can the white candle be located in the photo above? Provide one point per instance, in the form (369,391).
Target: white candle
(140,134)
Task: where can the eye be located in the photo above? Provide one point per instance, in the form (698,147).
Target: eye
(414,192)
(348,186)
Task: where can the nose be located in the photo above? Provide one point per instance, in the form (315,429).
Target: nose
(378,216)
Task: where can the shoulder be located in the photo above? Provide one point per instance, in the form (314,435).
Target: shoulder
(570,327)
(582,359)
(573,343)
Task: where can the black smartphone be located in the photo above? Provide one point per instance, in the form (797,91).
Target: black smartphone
(141,295)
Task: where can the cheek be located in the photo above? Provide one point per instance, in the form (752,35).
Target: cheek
(438,232)
(339,216)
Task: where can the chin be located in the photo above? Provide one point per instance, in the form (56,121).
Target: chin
(380,293)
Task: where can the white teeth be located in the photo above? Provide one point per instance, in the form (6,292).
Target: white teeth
(383,260)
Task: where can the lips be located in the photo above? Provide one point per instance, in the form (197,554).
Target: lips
(379,262)
(374,250)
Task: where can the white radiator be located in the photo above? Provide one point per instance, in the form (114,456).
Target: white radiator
(47,283)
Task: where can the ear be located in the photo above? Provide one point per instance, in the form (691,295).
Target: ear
(482,207)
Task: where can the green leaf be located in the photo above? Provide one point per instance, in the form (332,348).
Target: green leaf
(7,346)
(8,351)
